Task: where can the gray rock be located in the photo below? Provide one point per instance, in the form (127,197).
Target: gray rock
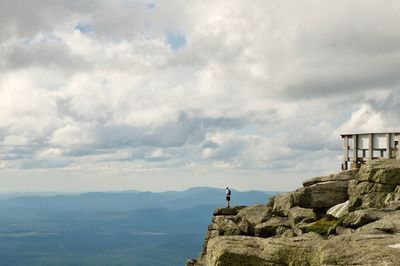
(376,185)
(319,195)
(380,171)
(340,230)
(228,211)
(341,176)
(298,214)
(255,214)
(368,236)
(269,228)
(288,233)
(284,202)
(327,194)
(245,226)
(389,223)
(209,235)
(270,201)
(362,217)
(226,225)
(307,249)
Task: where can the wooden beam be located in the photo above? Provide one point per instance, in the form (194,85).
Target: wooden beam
(371,146)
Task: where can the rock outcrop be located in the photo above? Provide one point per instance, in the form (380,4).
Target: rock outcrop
(377,185)
(352,217)
(307,249)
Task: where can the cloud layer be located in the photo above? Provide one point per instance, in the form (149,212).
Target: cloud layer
(137,90)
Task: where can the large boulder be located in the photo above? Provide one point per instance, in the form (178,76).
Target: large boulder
(284,202)
(327,194)
(317,196)
(377,185)
(246,228)
(380,171)
(275,225)
(341,176)
(247,218)
(362,217)
(321,192)
(307,249)
(327,191)
(301,215)
(255,214)
(238,251)
(225,225)
(389,223)
(225,222)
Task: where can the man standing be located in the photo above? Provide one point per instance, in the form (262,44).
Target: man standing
(228,196)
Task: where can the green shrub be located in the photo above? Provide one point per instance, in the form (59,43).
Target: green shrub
(321,226)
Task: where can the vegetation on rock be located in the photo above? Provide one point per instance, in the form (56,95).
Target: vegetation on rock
(321,226)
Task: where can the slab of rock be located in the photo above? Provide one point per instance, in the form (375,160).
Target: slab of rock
(362,217)
(380,171)
(341,176)
(226,225)
(318,196)
(326,194)
(246,228)
(228,211)
(389,223)
(340,230)
(270,227)
(255,214)
(284,202)
(298,214)
(307,249)
(235,251)
(376,185)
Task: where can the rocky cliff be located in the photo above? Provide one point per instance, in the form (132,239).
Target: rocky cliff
(347,218)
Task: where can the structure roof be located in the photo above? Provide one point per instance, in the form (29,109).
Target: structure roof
(367,133)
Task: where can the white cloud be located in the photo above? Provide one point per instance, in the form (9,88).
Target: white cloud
(15,140)
(257,87)
(71,135)
(366,119)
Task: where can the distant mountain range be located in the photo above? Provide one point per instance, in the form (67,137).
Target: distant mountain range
(132,200)
(110,228)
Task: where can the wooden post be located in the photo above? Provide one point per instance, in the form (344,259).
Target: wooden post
(371,146)
(355,145)
(346,152)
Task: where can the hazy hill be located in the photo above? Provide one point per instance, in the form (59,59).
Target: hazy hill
(134,200)
(110,228)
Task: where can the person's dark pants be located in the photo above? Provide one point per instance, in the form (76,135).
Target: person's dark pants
(228,199)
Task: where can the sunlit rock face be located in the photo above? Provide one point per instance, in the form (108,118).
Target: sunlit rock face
(377,185)
(351,217)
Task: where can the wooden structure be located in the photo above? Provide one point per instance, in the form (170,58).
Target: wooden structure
(359,148)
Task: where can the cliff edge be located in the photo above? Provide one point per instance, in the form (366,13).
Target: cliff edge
(347,218)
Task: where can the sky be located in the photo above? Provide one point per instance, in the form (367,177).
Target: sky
(167,95)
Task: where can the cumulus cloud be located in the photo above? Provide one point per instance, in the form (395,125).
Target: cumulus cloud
(120,87)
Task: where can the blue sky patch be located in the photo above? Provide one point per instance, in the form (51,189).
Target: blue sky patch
(176,40)
(84,28)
